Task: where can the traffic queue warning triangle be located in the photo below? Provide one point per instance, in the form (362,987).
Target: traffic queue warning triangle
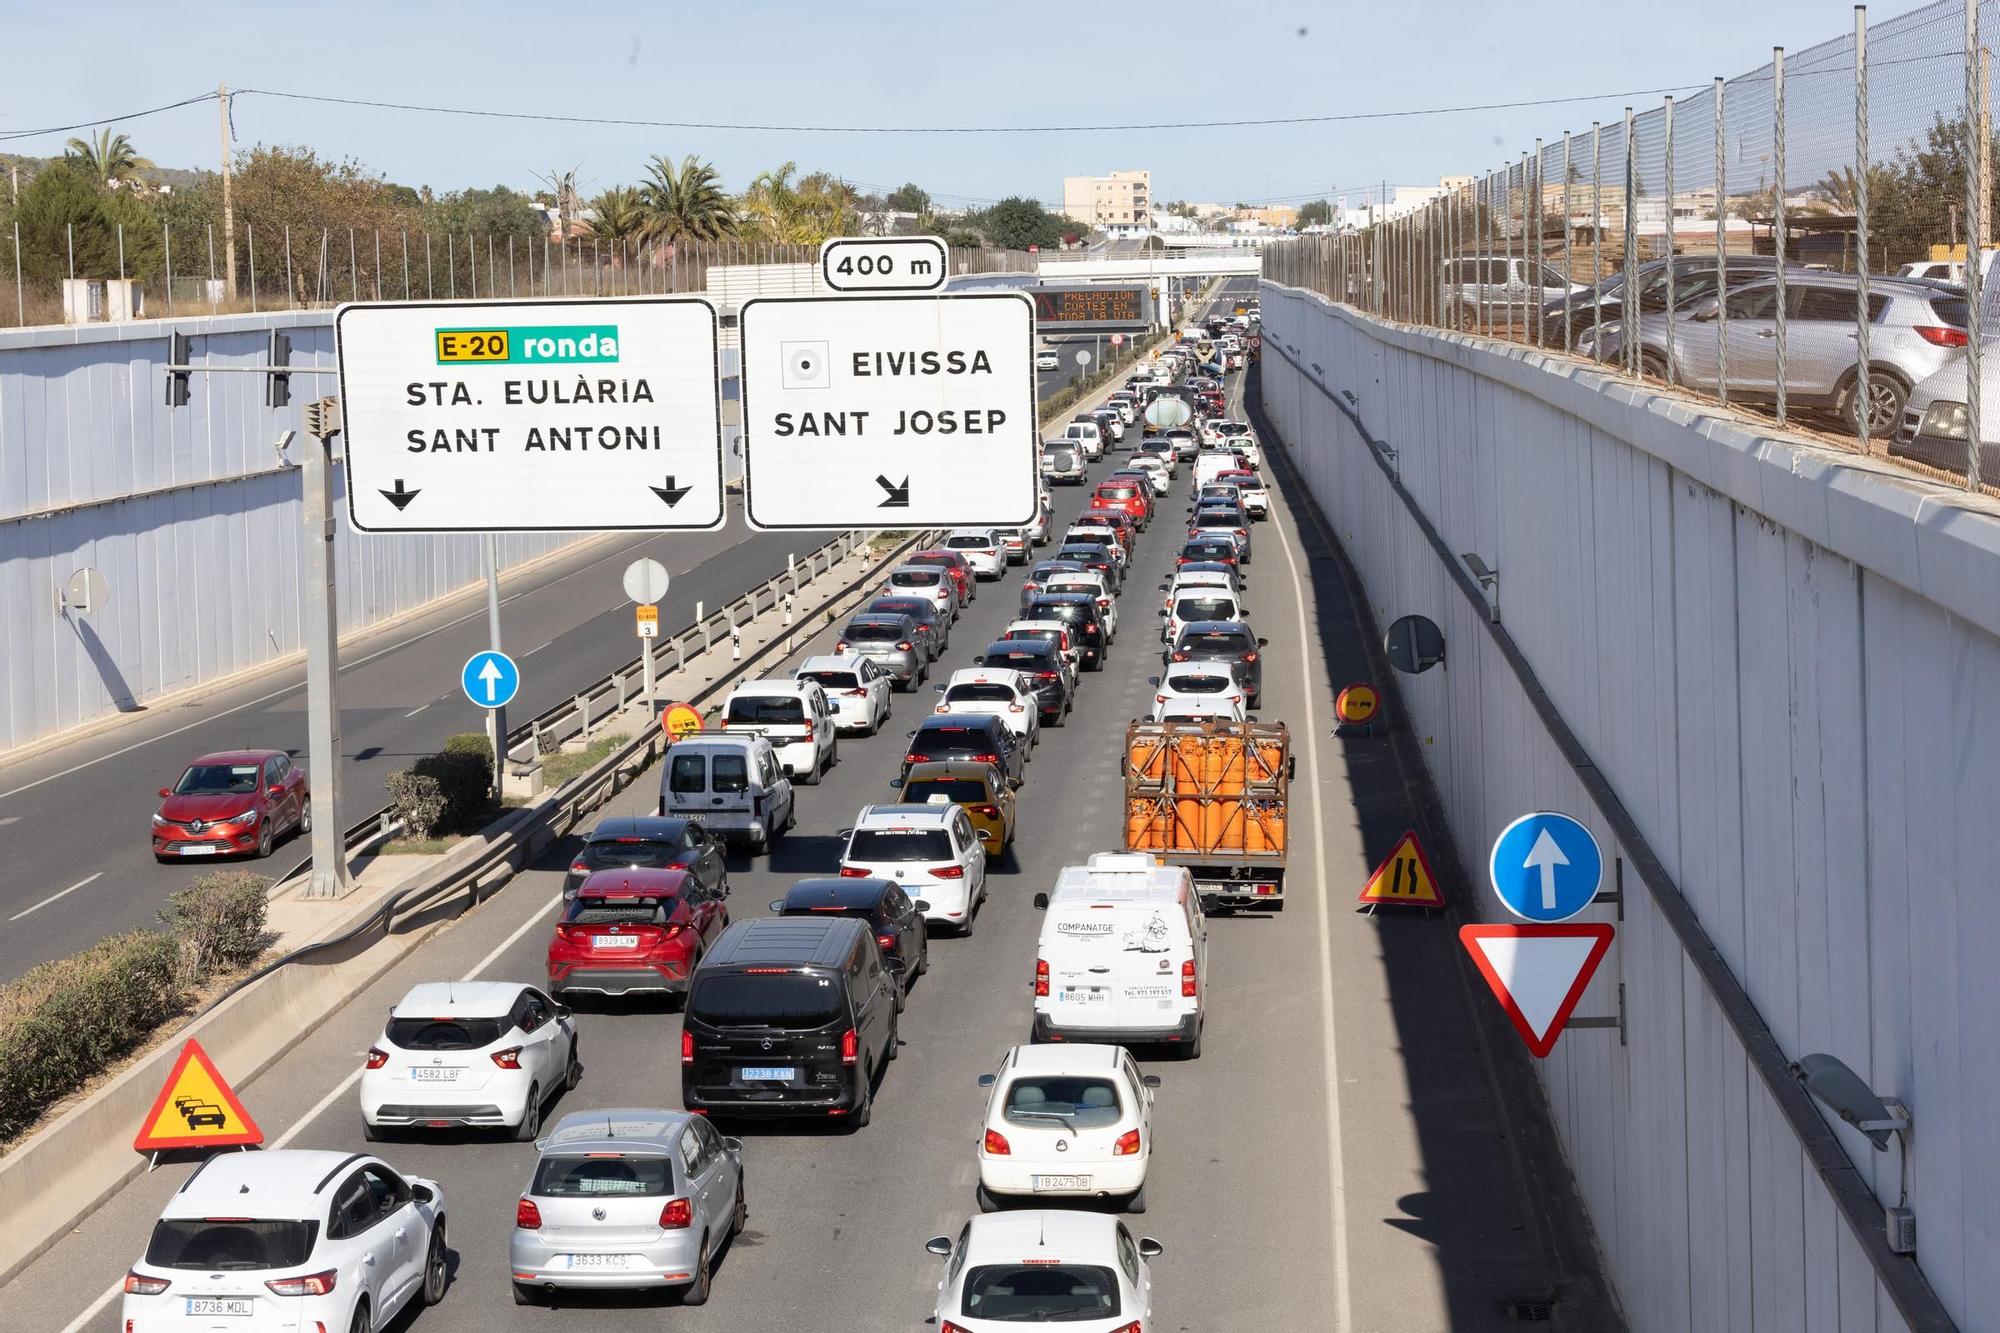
(1404,877)
(1538,973)
(196,1109)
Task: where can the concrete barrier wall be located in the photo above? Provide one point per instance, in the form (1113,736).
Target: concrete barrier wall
(1787,663)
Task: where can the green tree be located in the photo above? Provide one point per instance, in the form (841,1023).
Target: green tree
(562,195)
(498,212)
(65,211)
(1315,212)
(1016,223)
(109,159)
(799,210)
(685,202)
(280,190)
(909,199)
(616,215)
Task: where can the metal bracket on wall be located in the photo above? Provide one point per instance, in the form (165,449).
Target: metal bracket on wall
(1609,1021)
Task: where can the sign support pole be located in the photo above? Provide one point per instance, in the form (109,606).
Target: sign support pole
(496,718)
(329,853)
(646,658)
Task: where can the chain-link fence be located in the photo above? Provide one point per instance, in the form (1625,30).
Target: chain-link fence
(97,273)
(1791,241)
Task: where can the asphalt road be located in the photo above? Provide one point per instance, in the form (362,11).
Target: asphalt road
(74,819)
(1342,1157)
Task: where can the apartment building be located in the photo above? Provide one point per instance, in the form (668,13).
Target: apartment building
(1124,197)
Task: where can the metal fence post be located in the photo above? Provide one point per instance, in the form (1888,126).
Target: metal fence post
(1975,158)
(1596,241)
(1569,237)
(167,247)
(1507,240)
(1721,254)
(291,287)
(1864,397)
(405,232)
(1778,205)
(20,292)
(430,269)
(1669,126)
(250,239)
(1628,305)
(1536,270)
(378,263)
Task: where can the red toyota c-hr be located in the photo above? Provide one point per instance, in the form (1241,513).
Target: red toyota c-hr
(237,802)
(634,930)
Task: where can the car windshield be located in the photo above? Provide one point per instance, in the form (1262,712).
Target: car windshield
(962,791)
(603,1175)
(204,779)
(1041,1294)
(770,999)
(766,709)
(1215,645)
(234,1245)
(979,694)
(1081,1102)
(877,633)
(633,851)
(899,844)
(615,911)
(446,1034)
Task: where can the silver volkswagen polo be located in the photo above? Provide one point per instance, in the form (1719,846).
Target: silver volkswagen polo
(627,1198)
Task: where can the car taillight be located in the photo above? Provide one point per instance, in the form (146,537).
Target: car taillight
(989,811)
(840,647)
(1104,601)
(312,1284)
(678,1215)
(853,872)
(579,868)
(1041,976)
(1190,984)
(136,1285)
(942,708)
(509,1058)
(986,759)
(996,1144)
(1048,675)
(1016,708)
(905,646)
(687,1047)
(855,694)
(1127,1145)
(1159,698)
(1180,657)
(948,872)
(850,1046)
(888,942)
(377,1057)
(913,759)
(1942,336)
(1249,657)
(809,731)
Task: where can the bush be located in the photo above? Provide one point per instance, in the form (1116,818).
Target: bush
(66,1021)
(219,921)
(464,774)
(418,800)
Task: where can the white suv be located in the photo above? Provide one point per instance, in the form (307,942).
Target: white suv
(1070,1119)
(1000,691)
(290,1238)
(487,1053)
(794,716)
(931,852)
(856,687)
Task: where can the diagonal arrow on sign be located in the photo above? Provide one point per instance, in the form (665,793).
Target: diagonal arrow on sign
(1538,973)
(899,494)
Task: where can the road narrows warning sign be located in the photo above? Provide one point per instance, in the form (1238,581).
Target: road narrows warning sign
(1404,877)
(196,1109)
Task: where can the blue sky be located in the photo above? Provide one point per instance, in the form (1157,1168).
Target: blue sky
(888,64)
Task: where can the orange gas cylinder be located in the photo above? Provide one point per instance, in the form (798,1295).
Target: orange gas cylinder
(1255,842)
(1186,831)
(1269,761)
(1271,825)
(1148,757)
(1226,766)
(1226,830)
(1142,824)
(1189,761)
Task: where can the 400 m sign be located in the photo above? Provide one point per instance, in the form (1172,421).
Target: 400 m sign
(531,415)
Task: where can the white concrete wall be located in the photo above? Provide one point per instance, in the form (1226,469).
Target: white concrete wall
(1787,663)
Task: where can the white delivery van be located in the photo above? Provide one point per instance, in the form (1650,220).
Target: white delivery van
(733,784)
(1123,956)
(794,715)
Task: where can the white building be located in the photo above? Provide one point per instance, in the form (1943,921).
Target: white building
(1100,201)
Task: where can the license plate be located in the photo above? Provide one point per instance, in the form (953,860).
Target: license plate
(597,1260)
(428,1074)
(236,1305)
(199,849)
(771,1073)
(1085,996)
(1062,1182)
(614,941)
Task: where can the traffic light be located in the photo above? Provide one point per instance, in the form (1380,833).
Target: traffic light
(278,384)
(180,352)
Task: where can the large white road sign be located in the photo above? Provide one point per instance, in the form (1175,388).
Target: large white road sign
(890,411)
(531,415)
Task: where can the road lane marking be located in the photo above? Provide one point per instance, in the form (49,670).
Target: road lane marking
(52,897)
(320,1107)
(536,649)
(418,709)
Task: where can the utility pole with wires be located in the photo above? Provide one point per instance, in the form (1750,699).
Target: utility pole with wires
(228,209)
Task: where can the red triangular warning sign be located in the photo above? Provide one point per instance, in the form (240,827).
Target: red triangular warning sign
(1404,877)
(196,1109)
(1538,973)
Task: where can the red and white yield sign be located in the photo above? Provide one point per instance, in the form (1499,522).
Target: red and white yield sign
(1538,973)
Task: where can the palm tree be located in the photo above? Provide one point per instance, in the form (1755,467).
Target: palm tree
(683,203)
(563,195)
(617,215)
(110,158)
(804,211)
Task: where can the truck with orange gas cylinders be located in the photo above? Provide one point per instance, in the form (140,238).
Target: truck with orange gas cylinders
(1212,796)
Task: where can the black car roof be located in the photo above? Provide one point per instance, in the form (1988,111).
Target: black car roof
(655,828)
(795,941)
(832,891)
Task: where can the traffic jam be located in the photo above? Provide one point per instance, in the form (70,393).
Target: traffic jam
(789,1014)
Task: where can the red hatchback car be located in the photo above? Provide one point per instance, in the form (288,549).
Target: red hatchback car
(959,567)
(632,931)
(1124,497)
(237,802)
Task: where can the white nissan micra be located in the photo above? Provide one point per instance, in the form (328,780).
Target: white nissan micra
(1077,1272)
(1072,1120)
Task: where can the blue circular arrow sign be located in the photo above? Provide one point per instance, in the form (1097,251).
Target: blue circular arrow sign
(490,679)
(1546,867)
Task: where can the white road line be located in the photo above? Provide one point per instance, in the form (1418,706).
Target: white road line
(536,649)
(340,1090)
(1343,1311)
(420,708)
(52,897)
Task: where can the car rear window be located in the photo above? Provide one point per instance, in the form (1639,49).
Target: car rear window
(1214,643)
(446,1034)
(1952,310)
(963,791)
(731,773)
(603,1176)
(887,844)
(979,694)
(916,578)
(951,740)
(205,778)
(1089,536)
(1206,608)
(1043,1293)
(1022,659)
(614,911)
(916,608)
(634,851)
(777,999)
(238,1245)
(832,680)
(969,543)
(766,710)
(1216,518)
(688,772)
(872,633)
(1118,492)
(1200,684)
(1080,1102)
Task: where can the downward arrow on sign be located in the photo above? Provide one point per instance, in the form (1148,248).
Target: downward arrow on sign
(400,497)
(670,493)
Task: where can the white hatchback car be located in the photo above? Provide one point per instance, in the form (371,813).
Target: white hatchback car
(931,852)
(1001,691)
(926,581)
(1094,584)
(857,688)
(290,1238)
(469,1053)
(1186,689)
(981,549)
(1072,1271)
(1192,604)
(1052,631)
(795,716)
(1070,1119)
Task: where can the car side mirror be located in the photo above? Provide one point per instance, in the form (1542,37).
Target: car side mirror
(987,1080)
(1263,642)
(777,904)
(564,1011)
(1041,902)
(422,1193)
(940,1246)
(1249,717)
(921,904)
(937,689)
(1150,1248)
(166,791)
(845,833)
(910,733)
(1150,1080)
(734,1145)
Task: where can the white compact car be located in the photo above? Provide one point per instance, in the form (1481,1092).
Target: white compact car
(291,1239)
(1186,690)
(927,581)
(981,549)
(1051,631)
(857,688)
(1000,691)
(469,1053)
(1072,1120)
(795,716)
(1095,585)
(1069,1271)
(932,852)
(1192,604)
